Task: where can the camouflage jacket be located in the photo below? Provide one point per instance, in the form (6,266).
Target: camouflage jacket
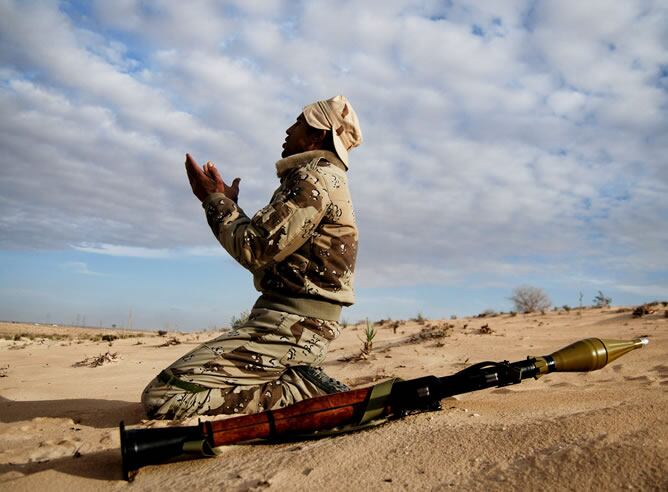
(301,247)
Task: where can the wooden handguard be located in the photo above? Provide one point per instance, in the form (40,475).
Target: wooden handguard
(322,412)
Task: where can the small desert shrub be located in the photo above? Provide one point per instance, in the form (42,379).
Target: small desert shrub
(237,322)
(485,330)
(394,325)
(487,313)
(171,341)
(566,307)
(430,332)
(419,319)
(644,310)
(162,333)
(454,316)
(601,301)
(529,299)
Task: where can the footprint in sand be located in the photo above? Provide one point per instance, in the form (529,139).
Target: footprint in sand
(562,385)
(640,379)
(617,367)
(661,370)
(503,391)
(49,450)
(110,438)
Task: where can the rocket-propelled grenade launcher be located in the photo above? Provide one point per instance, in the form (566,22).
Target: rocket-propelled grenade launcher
(357,408)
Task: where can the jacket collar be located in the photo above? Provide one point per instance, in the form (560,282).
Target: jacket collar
(299,160)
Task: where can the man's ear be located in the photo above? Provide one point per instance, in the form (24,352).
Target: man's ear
(320,138)
(317,139)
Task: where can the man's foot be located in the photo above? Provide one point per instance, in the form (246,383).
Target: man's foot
(317,376)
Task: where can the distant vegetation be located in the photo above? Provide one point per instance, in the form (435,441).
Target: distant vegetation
(238,322)
(601,301)
(527,299)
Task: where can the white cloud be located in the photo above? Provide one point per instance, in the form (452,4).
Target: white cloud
(493,131)
(80,267)
(128,251)
(149,253)
(645,290)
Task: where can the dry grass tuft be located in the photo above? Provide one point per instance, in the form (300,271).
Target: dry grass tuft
(170,342)
(98,360)
(485,330)
(432,331)
(646,309)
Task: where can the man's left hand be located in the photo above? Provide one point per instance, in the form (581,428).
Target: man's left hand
(208,180)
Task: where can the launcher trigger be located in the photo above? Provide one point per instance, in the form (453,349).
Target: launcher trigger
(515,374)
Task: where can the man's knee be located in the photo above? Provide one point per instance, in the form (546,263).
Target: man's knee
(151,399)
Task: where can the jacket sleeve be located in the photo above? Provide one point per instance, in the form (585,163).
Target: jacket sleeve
(276,231)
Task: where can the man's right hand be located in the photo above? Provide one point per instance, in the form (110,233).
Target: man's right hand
(208,180)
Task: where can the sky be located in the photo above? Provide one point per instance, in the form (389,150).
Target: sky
(506,143)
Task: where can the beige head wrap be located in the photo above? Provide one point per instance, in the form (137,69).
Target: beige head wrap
(336,114)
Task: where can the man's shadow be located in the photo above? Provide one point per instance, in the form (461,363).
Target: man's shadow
(89,412)
(100,465)
(102,414)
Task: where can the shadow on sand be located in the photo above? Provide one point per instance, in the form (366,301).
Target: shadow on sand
(100,465)
(89,412)
(102,414)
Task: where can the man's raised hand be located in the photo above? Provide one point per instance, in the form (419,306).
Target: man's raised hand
(232,191)
(207,181)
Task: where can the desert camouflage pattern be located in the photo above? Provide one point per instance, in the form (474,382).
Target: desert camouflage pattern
(247,370)
(304,243)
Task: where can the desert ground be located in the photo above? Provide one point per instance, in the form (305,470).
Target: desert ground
(63,391)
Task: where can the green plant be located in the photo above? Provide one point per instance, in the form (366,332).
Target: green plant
(419,319)
(367,341)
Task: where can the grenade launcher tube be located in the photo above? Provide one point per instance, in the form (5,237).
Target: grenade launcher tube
(140,447)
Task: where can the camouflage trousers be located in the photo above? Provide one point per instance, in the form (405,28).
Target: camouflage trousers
(247,370)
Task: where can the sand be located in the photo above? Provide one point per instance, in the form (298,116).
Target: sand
(605,430)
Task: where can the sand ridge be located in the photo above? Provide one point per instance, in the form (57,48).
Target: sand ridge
(602,430)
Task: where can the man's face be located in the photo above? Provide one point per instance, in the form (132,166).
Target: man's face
(298,139)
